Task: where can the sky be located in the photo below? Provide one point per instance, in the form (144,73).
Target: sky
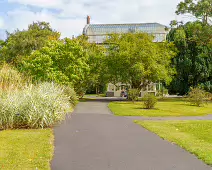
(69,16)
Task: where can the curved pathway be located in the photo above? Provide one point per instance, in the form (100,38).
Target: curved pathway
(92,138)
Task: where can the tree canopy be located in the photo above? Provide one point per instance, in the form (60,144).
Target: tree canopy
(73,62)
(194,59)
(135,59)
(193,62)
(198,8)
(96,78)
(21,43)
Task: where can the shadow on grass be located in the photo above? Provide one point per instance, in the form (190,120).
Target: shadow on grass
(192,105)
(171,100)
(86,100)
(142,108)
(126,102)
(104,99)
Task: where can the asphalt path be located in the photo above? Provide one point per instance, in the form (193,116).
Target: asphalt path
(92,138)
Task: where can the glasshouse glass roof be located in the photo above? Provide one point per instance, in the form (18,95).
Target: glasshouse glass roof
(97,32)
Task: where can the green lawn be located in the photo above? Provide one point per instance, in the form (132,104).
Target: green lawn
(26,149)
(171,107)
(194,136)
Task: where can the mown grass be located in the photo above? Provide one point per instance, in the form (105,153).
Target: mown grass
(167,107)
(194,136)
(26,149)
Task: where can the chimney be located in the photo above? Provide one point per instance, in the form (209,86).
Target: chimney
(88,19)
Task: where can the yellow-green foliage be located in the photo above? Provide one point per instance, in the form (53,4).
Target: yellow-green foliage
(149,101)
(10,79)
(71,94)
(197,96)
(24,105)
(37,106)
(133,94)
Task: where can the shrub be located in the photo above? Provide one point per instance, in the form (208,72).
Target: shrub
(149,101)
(163,92)
(133,94)
(80,91)
(207,86)
(71,94)
(197,96)
(37,106)
(208,95)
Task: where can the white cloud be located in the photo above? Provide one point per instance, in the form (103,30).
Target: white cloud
(40,3)
(71,17)
(66,26)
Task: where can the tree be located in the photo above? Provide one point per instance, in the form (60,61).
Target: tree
(96,78)
(193,62)
(135,59)
(64,62)
(22,43)
(1,43)
(198,8)
(175,23)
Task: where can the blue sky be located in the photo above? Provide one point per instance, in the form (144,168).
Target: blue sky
(69,16)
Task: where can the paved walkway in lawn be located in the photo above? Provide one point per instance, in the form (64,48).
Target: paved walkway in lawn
(92,138)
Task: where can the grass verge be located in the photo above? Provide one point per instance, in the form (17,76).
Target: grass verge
(163,108)
(26,149)
(194,136)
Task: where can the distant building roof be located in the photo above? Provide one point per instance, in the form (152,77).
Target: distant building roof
(97,32)
(93,29)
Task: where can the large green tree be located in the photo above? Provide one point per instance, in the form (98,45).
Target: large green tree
(194,59)
(1,43)
(96,78)
(135,59)
(64,62)
(22,43)
(69,61)
(201,9)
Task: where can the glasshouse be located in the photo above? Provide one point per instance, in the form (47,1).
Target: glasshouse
(97,33)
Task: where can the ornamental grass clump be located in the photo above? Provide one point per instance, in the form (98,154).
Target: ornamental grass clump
(24,105)
(11,79)
(71,94)
(37,106)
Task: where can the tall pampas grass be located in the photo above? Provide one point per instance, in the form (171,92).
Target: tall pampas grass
(24,105)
